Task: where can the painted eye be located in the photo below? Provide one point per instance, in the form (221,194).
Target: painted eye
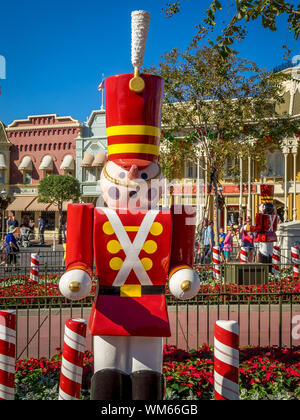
(122,175)
(132,194)
(114,193)
(144,175)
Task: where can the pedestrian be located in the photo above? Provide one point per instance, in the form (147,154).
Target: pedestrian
(207,240)
(221,243)
(41,228)
(31,227)
(228,245)
(248,239)
(12,221)
(13,246)
(4,251)
(240,226)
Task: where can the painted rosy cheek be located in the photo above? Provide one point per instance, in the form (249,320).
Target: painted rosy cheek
(114,193)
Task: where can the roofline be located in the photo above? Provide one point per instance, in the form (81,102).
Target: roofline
(44,115)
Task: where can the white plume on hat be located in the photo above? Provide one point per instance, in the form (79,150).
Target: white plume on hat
(139,31)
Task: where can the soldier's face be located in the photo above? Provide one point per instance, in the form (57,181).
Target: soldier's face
(131,188)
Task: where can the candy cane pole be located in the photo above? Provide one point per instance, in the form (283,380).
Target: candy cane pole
(276,261)
(226,360)
(296,261)
(34,267)
(7,354)
(72,360)
(244,255)
(216,263)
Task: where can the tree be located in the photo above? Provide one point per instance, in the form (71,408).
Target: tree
(225,108)
(55,189)
(241,12)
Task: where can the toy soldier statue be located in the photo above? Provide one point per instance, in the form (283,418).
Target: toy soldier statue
(136,246)
(265,224)
(266,221)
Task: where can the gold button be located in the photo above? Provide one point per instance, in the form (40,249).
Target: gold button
(156,229)
(186,286)
(116,263)
(150,247)
(147,263)
(108,229)
(75,286)
(114,246)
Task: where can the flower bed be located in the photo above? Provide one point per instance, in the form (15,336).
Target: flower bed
(265,373)
(22,291)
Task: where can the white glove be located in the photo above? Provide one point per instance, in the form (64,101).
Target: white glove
(75,284)
(184,284)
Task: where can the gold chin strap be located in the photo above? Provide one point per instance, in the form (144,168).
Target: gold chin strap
(129,183)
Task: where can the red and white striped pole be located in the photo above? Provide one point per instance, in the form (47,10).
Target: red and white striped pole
(276,261)
(7,354)
(296,261)
(34,267)
(72,359)
(216,263)
(244,255)
(226,360)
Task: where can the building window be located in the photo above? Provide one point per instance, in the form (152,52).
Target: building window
(2,177)
(274,164)
(191,170)
(89,174)
(27,177)
(231,168)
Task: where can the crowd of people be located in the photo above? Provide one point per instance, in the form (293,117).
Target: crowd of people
(205,241)
(16,235)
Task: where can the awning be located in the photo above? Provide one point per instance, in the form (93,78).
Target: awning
(87,160)
(47,163)
(99,159)
(52,207)
(35,206)
(68,163)
(2,161)
(20,203)
(26,164)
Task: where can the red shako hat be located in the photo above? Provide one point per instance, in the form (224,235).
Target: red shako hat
(267,193)
(133,119)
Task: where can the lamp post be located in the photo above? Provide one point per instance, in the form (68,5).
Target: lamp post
(4,201)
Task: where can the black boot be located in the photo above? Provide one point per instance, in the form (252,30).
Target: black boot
(147,385)
(110,384)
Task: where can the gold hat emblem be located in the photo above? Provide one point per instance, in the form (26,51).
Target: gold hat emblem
(136,84)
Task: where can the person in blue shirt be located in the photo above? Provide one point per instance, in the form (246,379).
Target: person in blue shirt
(12,221)
(11,241)
(221,243)
(41,228)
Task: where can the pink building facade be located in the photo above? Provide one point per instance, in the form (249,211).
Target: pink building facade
(40,145)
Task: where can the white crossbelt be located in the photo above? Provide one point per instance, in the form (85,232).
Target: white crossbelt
(131,249)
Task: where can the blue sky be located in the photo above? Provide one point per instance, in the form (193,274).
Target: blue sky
(56,51)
